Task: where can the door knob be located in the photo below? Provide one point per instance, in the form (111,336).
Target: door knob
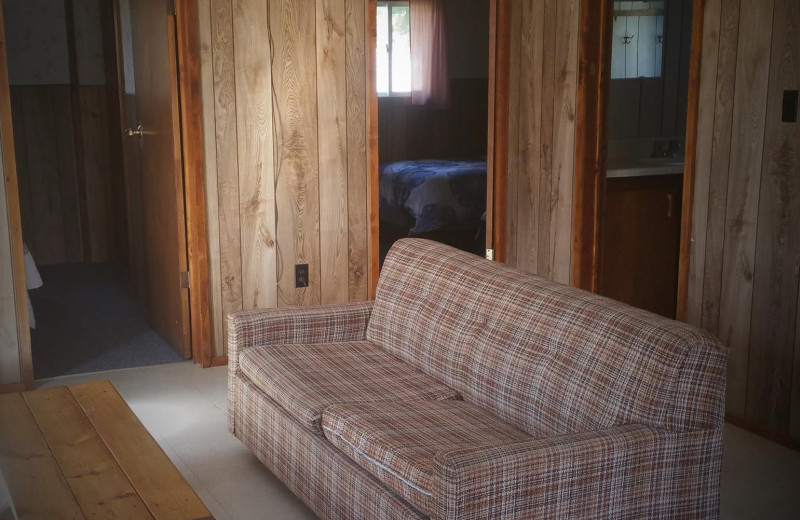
(138,131)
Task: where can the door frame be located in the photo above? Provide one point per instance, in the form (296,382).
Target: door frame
(497,141)
(594,54)
(191,140)
(9,168)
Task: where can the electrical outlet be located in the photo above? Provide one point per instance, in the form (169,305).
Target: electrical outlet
(790,102)
(301,275)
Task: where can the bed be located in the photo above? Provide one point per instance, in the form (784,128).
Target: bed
(433,195)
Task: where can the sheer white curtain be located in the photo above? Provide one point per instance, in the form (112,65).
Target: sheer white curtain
(430,84)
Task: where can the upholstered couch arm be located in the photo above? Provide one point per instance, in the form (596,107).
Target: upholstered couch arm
(628,471)
(291,325)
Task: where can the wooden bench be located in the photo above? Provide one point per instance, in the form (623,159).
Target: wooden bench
(78,452)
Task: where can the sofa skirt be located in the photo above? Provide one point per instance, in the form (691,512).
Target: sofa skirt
(332,485)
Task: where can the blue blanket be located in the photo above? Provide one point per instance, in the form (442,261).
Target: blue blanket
(432,195)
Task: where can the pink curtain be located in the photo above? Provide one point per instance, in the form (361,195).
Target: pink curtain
(430,84)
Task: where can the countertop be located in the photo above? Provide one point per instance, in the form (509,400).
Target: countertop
(644,167)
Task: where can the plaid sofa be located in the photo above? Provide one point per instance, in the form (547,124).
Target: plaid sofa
(471,390)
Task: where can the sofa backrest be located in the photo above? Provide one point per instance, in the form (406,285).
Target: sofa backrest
(543,356)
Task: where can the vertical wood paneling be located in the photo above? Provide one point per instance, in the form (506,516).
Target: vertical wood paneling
(528,108)
(292,27)
(211,177)
(721,133)
(227,155)
(566,87)
(749,109)
(743,273)
(285,113)
(776,279)
(97,169)
(703,146)
(42,164)
(513,164)
(332,139)
(355,77)
(256,159)
(544,64)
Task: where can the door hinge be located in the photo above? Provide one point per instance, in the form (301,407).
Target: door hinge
(185,280)
(171,7)
(490,254)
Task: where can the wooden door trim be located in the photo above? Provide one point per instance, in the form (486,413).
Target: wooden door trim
(690,157)
(497,151)
(497,145)
(373,159)
(191,129)
(594,60)
(590,149)
(14,220)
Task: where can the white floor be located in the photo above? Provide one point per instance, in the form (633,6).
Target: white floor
(183,407)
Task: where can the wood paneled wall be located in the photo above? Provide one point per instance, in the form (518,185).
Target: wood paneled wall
(744,283)
(284,90)
(543,90)
(72,211)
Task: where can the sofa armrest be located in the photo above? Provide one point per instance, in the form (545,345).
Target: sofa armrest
(292,325)
(627,471)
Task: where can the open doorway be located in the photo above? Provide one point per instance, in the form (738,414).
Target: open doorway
(637,113)
(432,78)
(101,182)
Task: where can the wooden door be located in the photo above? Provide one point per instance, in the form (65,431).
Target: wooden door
(161,171)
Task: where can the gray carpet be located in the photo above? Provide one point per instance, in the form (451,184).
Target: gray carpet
(87,322)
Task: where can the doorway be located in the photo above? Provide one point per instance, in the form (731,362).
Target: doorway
(102,210)
(437,154)
(637,109)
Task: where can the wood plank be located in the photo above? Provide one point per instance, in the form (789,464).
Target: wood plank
(529,144)
(515,93)
(332,141)
(356,84)
(292,26)
(14,295)
(564,137)
(211,177)
(702,162)
(23,179)
(32,474)
(794,418)
(749,110)
(94,118)
(63,127)
(256,159)
(690,162)
(96,480)
(373,242)
(227,166)
(720,161)
(160,485)
(497,128)
(191,128)
(43,171)
(544,241)
(776,277)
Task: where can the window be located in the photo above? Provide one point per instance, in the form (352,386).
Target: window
(393,56)
(638,40)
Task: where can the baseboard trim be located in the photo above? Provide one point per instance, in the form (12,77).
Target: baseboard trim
(220,361)
(762,431)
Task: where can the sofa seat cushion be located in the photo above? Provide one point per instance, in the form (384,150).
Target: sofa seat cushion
(305,379)
(397,441)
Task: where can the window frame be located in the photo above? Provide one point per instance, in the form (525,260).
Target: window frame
(389,4)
